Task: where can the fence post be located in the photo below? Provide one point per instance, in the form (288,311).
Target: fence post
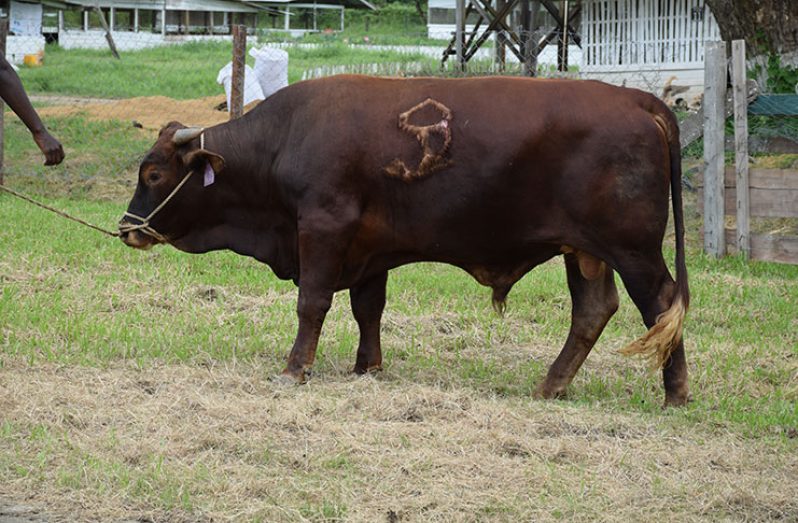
(714,117)
(740,92)
(3,35)
(239,62)
(459,30)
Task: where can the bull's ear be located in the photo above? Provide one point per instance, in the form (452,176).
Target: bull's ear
(196,160)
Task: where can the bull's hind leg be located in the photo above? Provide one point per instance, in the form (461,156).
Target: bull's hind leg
(368,302)
(594,301)
(652,289)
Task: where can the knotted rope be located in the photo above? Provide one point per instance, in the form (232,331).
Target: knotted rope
(60,213)
(144,226)
(124,227)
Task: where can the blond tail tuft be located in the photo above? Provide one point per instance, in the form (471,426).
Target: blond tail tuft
(658,343)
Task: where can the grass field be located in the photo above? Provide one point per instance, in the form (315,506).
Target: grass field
(135,385)
(180,72)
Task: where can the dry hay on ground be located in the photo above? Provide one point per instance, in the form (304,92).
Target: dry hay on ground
(187,443)
(152,112)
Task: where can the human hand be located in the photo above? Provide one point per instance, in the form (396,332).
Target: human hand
(50,147)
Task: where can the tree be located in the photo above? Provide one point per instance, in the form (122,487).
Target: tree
(770,31)
(767,26)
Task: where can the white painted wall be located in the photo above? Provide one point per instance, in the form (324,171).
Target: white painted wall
(18,46)
(128,40)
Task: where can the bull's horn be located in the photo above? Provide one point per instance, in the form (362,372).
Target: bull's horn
(183,136)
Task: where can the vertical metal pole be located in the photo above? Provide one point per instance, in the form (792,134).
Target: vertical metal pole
(239,62)
(3,35)
(714,118)
(459,30)
(740,92)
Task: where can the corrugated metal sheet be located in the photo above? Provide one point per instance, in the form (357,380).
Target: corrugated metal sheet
(347,3)
(172,5)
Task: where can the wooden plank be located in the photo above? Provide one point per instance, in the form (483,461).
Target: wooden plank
(768,247)
(239,61)
(758,178)
(773,193)
(741,146)
(714,116)
(764,203)
(459,29)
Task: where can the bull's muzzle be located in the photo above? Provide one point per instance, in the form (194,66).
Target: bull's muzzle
(135,238)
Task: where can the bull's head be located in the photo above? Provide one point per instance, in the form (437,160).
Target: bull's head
(169,196)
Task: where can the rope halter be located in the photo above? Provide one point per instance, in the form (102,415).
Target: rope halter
(181,137)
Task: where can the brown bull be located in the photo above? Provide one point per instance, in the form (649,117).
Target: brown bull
(334,182)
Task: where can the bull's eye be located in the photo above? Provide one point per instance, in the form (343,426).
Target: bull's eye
(153,177)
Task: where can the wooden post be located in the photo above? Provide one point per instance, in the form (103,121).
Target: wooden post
(524,35)
(531,56)
(239,61)
(740,91)
(714,118)
(3,35)
(562,45)
(501,53)
(108,37)
(459,30)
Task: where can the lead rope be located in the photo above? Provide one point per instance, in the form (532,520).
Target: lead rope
(123,227)
(60,213)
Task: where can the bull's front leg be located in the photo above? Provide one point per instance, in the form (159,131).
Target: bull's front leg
(322,249)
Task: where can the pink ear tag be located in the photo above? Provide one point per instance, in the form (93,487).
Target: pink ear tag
(210,176)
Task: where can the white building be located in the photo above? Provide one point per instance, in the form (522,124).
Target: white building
(134,24)
(640,43)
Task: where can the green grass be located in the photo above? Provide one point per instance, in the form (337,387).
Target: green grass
(72,296)
(181,72)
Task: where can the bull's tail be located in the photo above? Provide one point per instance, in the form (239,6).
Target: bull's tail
(664,336)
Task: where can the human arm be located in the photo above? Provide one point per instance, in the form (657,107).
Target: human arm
(12,92)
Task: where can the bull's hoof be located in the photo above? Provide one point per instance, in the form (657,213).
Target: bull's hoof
(545,392)
(374,369)
(676,401)
(287,378)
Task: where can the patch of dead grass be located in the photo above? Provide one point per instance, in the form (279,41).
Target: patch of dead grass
(222,443)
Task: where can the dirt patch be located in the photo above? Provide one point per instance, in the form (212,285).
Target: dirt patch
(202,443)
(151,112)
